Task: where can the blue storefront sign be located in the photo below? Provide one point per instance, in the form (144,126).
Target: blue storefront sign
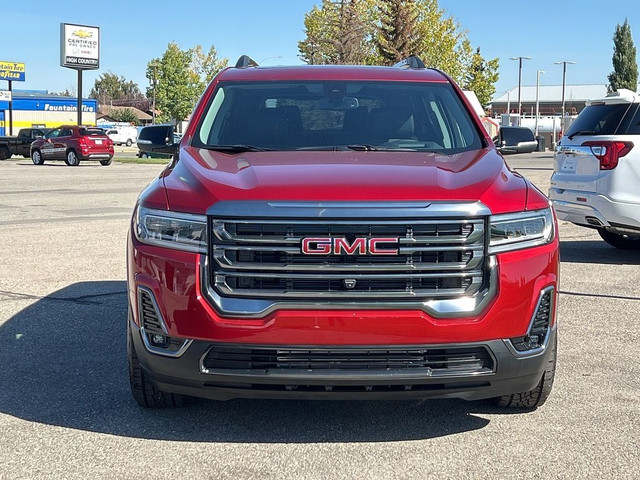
(12,71)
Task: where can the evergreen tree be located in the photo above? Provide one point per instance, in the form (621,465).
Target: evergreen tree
(382,32)
(398,35)
(625,66)
(339,32)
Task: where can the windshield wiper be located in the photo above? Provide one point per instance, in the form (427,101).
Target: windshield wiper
(362,148)
(236,148)
(581,132)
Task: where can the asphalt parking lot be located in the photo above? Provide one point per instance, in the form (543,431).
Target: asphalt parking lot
(66,410)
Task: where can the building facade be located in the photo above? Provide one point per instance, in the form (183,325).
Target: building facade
(41,109)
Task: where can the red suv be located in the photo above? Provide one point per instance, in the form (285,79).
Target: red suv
(72,144)
(339,232)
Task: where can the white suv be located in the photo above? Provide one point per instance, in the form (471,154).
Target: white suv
(596,169)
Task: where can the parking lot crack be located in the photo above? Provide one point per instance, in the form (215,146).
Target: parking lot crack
(598,295)
(92,299)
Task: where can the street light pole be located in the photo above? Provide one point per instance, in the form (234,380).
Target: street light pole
(520,83)
(154,67)
(564,77)
(509,102)
(538,98)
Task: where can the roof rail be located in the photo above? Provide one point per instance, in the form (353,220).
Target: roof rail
(246,61)
(412,61)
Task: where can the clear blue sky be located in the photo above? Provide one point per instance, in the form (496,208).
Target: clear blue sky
(133,32)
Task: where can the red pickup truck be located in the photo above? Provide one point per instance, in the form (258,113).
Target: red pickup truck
(339,232)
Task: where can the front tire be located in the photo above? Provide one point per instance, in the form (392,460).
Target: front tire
(538,396)
(144,393)
(72,159)
(619,240)
(129,142)
(4,153)
(106,163)
(36,157)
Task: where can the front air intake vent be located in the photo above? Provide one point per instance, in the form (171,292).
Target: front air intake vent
(150,319)
(538,332)
(153,329)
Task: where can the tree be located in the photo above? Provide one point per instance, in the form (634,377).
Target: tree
(180,77)
(398,34)
(207,65)
(109,87)
(481,77)
(126,115)
(384,32)
(625,66)
(177,85)
(339,32)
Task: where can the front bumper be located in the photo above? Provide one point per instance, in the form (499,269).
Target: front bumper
(593,210)
(186,375)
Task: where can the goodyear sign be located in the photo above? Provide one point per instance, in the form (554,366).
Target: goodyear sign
(79,46)
(12,71)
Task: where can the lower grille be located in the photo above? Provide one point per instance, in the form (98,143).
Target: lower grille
(433,361)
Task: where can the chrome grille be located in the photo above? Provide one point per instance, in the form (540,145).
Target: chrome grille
(262,258)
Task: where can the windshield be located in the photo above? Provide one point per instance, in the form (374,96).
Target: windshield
(337,115)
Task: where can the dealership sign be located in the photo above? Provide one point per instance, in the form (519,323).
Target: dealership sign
(79,46)
(5,96)
(12,71)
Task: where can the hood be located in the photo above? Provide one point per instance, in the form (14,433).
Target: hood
(203,177)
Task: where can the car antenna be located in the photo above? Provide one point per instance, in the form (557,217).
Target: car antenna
(246,61)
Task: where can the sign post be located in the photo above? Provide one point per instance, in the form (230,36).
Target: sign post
(11,71)
(79,50)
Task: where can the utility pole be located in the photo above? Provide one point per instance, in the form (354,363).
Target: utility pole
(520,83)
(538,98)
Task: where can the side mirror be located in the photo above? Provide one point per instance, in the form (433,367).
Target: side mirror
(157,139)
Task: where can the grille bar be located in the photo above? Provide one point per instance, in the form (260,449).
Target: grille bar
(289,235)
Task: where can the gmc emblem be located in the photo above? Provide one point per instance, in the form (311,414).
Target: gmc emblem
(359,246)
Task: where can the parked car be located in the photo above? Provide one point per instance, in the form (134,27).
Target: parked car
(142,154)
(123,135)
(339,232)
(596,170)
(515,140)
(73,144)
(20,144)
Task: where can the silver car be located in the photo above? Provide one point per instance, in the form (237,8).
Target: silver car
(596,172)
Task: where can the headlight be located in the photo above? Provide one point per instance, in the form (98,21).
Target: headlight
(180,231)
(515,231)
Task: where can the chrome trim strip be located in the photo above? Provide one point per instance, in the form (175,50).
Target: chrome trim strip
(242,307)
(145,339)
(248,209)
(473,262)
(552,311)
